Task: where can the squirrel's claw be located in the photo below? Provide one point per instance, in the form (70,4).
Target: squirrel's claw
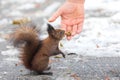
(63,55)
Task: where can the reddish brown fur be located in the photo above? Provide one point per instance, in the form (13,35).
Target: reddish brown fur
(36,53)
(28,35)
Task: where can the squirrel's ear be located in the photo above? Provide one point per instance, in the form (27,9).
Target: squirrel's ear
(50,28)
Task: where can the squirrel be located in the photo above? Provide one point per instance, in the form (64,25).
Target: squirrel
(35,53)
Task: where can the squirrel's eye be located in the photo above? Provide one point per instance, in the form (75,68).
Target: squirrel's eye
(61,32)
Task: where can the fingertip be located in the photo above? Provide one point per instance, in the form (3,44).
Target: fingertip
(69,38)
(79,30)
(51,19)
(69,28)
(54,16)
(74,30)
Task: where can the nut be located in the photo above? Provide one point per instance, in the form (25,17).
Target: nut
(68,33)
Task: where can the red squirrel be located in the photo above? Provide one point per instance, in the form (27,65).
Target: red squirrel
(35,53)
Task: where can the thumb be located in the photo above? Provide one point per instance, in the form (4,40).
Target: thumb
(55,16)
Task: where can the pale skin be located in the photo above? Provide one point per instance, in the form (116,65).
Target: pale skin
(72,16)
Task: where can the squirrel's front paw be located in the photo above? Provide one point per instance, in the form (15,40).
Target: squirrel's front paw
(63,55)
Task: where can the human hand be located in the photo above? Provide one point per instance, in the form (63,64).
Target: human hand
(72,17)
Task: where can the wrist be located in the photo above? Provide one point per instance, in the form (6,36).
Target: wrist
(76,1)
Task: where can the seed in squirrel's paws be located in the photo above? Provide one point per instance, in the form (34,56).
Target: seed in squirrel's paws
(68,33)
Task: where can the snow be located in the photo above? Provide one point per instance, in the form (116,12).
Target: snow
(15,13)
(26,6)
(4,21)
(116,18)
(101,31)
(2,40)
(51,8)
(109,5)
(99,37)
(11,52)
(0,77)
(21,1)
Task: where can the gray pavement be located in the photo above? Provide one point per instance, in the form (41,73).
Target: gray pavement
(73,67)
(84,68)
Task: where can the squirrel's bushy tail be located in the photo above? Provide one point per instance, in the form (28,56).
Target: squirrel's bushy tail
(29,37)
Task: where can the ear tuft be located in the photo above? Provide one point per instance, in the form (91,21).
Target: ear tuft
(50,28)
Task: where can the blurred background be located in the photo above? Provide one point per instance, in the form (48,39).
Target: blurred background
(94,52)
(101,31)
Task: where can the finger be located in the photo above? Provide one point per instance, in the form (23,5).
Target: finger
(74,30)
(79,28)
(63,26)
(69,37)
(55,16)
(69,28)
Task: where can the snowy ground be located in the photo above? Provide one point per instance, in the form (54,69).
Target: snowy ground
(101,32)
(99,38)
(100,35)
